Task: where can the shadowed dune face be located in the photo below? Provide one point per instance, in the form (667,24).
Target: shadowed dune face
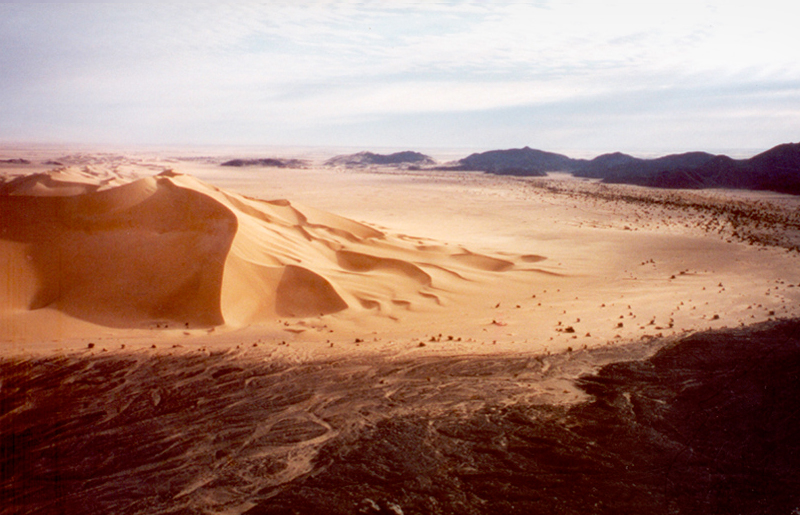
(365,263)
(171,248)
(484,262)
(301,292)
(145,250)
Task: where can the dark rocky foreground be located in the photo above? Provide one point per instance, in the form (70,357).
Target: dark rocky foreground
(708,424)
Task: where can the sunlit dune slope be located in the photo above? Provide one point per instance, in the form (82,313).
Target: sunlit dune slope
(171,248)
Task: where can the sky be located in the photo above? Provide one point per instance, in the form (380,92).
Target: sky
(576,75)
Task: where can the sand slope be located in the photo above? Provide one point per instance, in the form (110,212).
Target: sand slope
(172,249)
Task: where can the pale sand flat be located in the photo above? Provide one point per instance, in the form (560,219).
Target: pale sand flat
(492,264)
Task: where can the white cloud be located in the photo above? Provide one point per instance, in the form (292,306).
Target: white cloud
(313,64)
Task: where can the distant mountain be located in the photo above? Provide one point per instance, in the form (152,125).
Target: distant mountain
(612,166)
(368,158)
(269,162)
(517,161)
(777,169)
(605,162)
(531,162)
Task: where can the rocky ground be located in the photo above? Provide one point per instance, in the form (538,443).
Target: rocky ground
(707,424)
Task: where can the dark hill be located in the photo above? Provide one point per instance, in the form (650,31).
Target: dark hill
(517,161)
(777,169)
(625,168)
(269,162)
(531,162)
(602,163)
(368,158)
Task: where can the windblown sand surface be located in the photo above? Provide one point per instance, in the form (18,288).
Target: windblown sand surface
(524,264)
(170,250)
(209,339)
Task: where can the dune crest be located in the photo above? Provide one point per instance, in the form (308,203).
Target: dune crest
(172,249)
(65,181)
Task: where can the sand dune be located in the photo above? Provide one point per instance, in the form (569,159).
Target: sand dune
(145,250)
(102,248)
(171,249)
(169,346)
(65,181)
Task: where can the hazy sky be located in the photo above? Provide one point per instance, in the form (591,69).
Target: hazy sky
(583,75)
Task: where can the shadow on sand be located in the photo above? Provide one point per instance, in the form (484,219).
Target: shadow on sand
(708,424)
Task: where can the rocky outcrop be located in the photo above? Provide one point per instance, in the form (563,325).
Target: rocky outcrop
(268,162)
(517,161)
(405,158)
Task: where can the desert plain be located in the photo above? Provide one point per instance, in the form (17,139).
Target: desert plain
(183,337)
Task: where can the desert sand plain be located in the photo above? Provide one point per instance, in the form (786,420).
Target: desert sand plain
(181,337)
(488,260)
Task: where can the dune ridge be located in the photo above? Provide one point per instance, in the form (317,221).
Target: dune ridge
(65,181)
(171,249)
